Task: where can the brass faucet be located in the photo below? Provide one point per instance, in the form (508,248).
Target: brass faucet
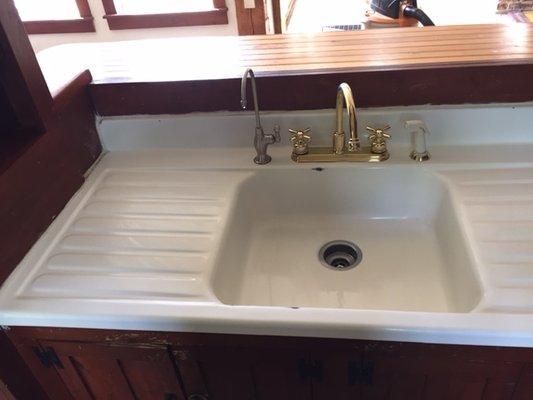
(345,96)
(353,152)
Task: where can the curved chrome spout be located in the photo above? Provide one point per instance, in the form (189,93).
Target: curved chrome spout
(244,101)
(345,96)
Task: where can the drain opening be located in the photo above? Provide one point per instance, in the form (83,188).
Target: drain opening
(340,255)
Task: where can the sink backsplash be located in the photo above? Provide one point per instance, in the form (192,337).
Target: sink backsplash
(448,125)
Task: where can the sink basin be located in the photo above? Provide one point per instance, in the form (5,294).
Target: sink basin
(414,253)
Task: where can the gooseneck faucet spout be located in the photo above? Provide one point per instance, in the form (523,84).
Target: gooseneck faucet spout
(261,141)
(342,150)
(345,96)
(244,101)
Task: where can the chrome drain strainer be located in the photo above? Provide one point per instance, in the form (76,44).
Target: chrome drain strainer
(340,255)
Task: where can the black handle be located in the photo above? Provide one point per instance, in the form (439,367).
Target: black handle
(42,356)
(48,357)
(354,373)
(54,358)
(367,372)
(418,14)
(317,370)
(311,370)
(304,370)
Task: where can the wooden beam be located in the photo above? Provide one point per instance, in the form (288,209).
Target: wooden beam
(20,74)
(290,11)
(60,26)
(308,92)
(145,21)
(251,21)
(276,16)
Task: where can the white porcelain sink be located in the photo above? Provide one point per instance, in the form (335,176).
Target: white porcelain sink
(415,256)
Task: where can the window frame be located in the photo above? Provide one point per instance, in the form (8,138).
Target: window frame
(217,16)
(84,24)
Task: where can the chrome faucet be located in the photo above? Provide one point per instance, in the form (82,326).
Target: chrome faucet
(261,141)
(375,151)
(345,96)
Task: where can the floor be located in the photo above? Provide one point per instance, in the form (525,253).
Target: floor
(311,16)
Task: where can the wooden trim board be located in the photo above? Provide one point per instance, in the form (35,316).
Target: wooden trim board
(490,84)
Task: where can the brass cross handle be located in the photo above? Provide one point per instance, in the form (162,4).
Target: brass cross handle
(378,139)
(300,140)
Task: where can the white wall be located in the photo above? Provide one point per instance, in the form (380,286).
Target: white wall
(103,34)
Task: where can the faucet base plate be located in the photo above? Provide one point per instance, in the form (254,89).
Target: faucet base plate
(262,159)
(325,154)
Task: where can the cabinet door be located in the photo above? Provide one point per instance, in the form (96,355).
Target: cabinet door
(101,371)
(394,376)
(524,390)
(340,374)
(472,379)
(234,373)
(412,373)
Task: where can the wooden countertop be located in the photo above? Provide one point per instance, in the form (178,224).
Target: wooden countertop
(218,58)
(388,49)
(180,59)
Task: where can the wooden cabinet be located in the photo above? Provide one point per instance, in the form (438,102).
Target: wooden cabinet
(239,373)
(382,370)
(102,371)
(435,372)
(95,364)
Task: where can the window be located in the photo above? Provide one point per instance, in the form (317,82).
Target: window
(55,16)
(135,14)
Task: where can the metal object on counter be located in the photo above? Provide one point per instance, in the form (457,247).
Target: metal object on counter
(300,141)
(378,139)
(340,150)
(418,131)
(261,140)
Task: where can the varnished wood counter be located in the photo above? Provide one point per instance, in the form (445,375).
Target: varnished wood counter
(438,65)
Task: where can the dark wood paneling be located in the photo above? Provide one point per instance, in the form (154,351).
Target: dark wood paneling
(524,391)
(8,118)
(38,184)
(234,367)
(487,353)
(36,179)
(20,74)
(75,88)
(242,373)
(488,84)
(15,374)
(99,371)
